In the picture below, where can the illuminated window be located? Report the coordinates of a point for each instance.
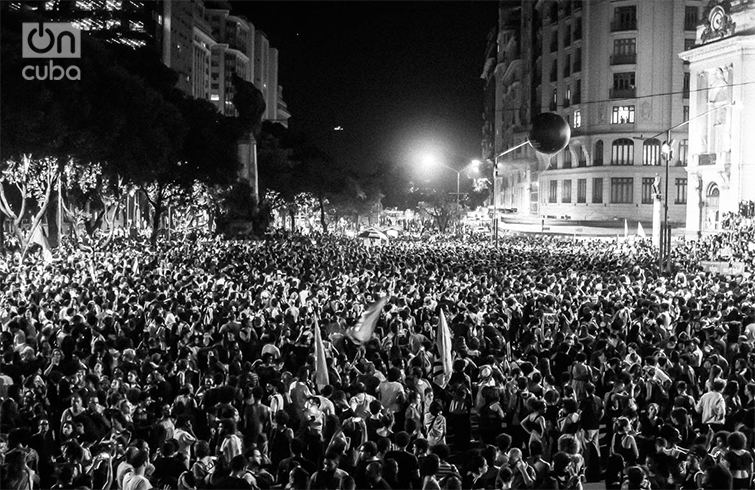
(623, 114)
(553, 191)
(622, 152)
(577, 119)
(651, 152)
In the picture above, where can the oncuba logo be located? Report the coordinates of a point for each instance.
(50, 40)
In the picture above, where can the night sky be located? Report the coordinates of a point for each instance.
(401, 78)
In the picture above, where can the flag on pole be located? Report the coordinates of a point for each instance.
(40, 239)
(641, 230)
(362, 331)
(91, 270)
(321, 367)
(626, 229)
(443, 341)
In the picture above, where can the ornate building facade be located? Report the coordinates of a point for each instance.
(722, 149)
(612, 70)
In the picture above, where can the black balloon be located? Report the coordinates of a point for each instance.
(550, 133)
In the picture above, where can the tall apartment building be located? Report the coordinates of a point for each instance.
(611, 69)
(722, 114)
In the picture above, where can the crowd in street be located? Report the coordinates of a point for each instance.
(192, 365)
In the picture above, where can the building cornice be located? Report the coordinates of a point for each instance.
(711, 50)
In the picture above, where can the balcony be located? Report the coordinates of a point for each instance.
(706, 159)
(622, 93)
(624, 59)
(624, 25)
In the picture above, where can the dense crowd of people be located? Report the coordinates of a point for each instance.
(193, 366)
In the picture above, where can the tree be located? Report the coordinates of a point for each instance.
(34, 180)
(441, 207)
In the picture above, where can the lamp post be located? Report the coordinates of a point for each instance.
(667, 152)
(473, 164)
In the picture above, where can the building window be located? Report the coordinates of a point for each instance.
(622, 152)
(577, 98)
(597, 190)
(689, 44)
(623, 85)
(622, 114)
(554, 71)
(567, 96)
(577, 119)
(567, 157)
(624, 51)
(553, 191)
(685, 113)
(581, 191)
(567, 36)
(647, 190)
(681, 190)
(567, 66)
(683, 151)
(577, 28)
(685, 85)
(597, 158)
(577, 66)
(621, 190)
(566, 191)
(624, 18)
(651, 152)
(690, 18)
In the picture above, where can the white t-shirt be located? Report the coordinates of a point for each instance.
(132, 481)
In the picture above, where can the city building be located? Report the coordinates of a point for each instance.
(722, 152)
(611, 69)
(202, 41)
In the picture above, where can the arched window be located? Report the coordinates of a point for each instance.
(597, 158)
(567, 157)
(622, 152)
(651, 152)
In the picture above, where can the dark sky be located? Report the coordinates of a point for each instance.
(401, 78)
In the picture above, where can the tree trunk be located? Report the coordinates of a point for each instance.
(292, 213)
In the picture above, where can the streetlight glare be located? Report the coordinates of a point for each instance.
(428, 159)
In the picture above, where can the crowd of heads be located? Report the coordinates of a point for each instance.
(192, 365)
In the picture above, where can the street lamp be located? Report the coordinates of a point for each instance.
(431, 160)
(668, 153)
